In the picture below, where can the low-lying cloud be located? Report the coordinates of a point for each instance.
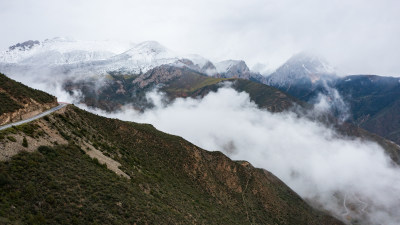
(350, 177)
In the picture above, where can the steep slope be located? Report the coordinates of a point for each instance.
(176, 82)
(203, 65)
(195, 85)
(148, 177)
(62, 56)
(233, 68)
(374, 103)
(139, 59)
(237, 69)
(61, 51)
(301, 74)
(19, 101)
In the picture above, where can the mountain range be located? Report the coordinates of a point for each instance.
(368, 101)
(108, 76)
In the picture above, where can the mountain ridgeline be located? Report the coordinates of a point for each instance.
(82, 65)
(19, 102)
(372, 101)
(164, 179)
(119, 90)
(181, 82)
(74, 167)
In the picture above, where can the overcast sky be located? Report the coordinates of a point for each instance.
(356, 36)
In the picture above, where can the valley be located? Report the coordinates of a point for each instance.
(290, 117)
(56, 177)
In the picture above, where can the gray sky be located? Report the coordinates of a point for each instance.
(356, 36)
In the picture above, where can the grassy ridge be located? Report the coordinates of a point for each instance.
(195, 85)
(172, 181)
(14, 94)
(8, 104)
(21, 92)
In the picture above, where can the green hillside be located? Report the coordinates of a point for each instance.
(14, 94)
(167, 180)
(195, 85)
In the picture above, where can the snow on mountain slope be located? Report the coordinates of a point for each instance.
(62, 55)
(301, 66)
(233, 68)
(61, 51)
(202, 64)
(224, 66)
(142, 57)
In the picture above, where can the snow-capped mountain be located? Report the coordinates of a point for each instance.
(301, 75)
(202, 64)
(61, 51)
(237, 69)
(233, 68)
(141, 58)
(65, 56)
(68, 56)
(302, 66)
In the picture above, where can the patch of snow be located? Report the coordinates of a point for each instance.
(224, 66)
(64, 50)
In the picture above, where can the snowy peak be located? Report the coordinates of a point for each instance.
(202, 64)
(149, 50)
(233, 68)
(80, 58)
(309, 63)
(61, 50)
(141, 58)
(304, 67)
(150, 47)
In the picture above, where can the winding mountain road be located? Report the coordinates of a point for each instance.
(61, 105)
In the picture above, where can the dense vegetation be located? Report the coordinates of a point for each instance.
(14, 94)
(8, 104)
(374, 103)
(22, 92)
(172, 181)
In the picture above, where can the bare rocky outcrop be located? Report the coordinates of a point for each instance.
(158, 75)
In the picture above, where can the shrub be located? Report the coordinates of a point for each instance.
(47, 151)
(25, 142)
(11, 138)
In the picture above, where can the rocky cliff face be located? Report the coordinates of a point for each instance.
(158, 75)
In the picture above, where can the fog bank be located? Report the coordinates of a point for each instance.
(355, 179)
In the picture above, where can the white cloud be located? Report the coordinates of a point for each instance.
(350, 177)
(359, 36)
(339, 173)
